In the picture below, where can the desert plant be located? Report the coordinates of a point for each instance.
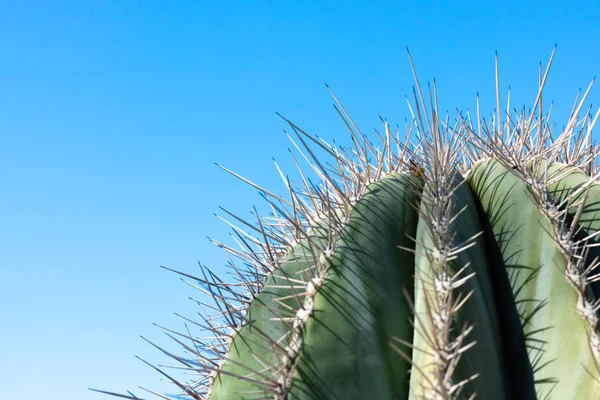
(456, 262)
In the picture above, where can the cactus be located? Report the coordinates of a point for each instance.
(458, 262)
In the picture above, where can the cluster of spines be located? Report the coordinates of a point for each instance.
(440, 151)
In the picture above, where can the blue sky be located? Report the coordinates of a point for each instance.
(113, 112)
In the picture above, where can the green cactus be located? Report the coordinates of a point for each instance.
(459, 262)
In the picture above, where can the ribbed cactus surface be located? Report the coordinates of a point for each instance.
(458, 262)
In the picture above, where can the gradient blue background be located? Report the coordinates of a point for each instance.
(113, 112)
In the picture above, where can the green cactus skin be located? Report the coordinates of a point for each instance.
(345, 342)
(362, 293)
(545, 299)
(462, 264)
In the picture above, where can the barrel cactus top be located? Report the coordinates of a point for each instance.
(459, 261)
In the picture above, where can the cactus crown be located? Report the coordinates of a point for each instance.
(288, 266)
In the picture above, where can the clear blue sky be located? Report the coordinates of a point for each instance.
(113, 112)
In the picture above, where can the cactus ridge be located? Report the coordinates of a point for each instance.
(409, 270)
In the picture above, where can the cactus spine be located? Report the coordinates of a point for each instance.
(458, 262)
